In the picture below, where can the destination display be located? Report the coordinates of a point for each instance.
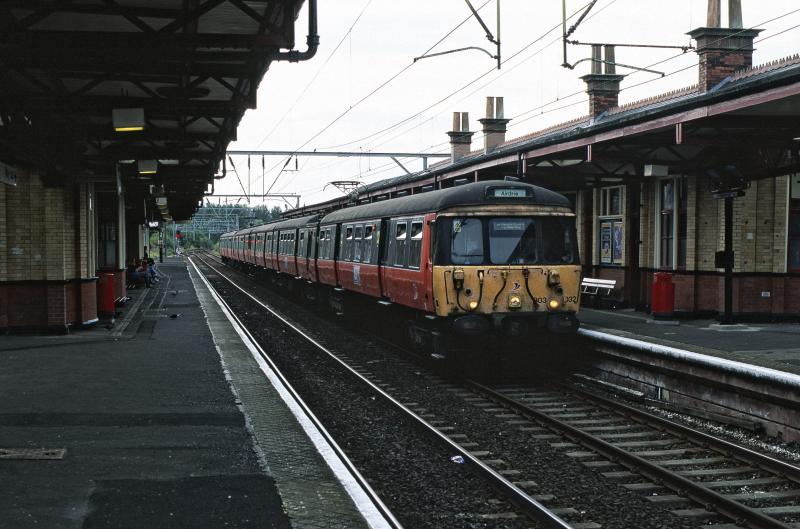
(509, 192)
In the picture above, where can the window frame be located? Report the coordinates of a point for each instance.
(415, 243)
(678, 220)
(401, 246)
(792, 210)
(611, 227)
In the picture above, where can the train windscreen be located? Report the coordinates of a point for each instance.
(510, 241)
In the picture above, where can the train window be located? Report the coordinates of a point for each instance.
(348, 244)
(466, 241)
(366, 252)
(359, 234)
(558, 234)
(513, 241)
(415, 244)
(400, 243)
(329, 245)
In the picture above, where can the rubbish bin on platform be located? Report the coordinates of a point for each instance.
(105, 295)
(663, 299)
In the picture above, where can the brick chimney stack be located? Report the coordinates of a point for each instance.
(722, 51)
(494, 124)
(460, 136)
(603, 88)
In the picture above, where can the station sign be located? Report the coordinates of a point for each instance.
(8, 175)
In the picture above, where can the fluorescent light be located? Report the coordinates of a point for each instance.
(148, 166)
(128, 119)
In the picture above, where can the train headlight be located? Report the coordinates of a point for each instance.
(473, 305)
(514, 301)
(553, 304)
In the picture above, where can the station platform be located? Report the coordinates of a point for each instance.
(162, 419)
(774, 345)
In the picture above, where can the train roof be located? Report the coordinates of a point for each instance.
(275, 225)
(474, 194)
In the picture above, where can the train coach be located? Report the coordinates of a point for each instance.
(486, 259)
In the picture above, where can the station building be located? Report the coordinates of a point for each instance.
(651, 181)
(114, 117)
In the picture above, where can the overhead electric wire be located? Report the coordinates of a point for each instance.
(505, 72)
(388, 166)
(467, 85)
(513, 56)
(373, 92)
(316, 75)
(579, 92)
(561, 98)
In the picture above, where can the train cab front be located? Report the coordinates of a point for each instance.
(508, 274)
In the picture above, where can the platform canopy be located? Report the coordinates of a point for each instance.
(176, 74)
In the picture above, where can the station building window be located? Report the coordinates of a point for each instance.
(612, 232)
(793, 242)
(672, 222)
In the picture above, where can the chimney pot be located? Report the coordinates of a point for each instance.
(722, 51)
(460, 136)
(597, 63)
(494, 124)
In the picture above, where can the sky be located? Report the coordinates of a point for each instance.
(331, 102)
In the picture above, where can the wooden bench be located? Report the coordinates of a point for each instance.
(597, 289)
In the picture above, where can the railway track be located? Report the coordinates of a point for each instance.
(671, 463)
(699, 479)
(526, 505)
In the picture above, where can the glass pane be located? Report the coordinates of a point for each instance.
(416, 230)
(616, 201)
(512, 241)
(466, 241)
(794, 255)
(794, 223)
(557, 237)
(400, 232)
(667, 195)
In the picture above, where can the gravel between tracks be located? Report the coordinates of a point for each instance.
(421, 486)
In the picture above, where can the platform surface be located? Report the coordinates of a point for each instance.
(773, 345)
(135, 425)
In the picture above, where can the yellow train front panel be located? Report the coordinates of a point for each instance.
(523, 290)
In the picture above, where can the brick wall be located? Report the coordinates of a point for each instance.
(46, 240)
(759, 242)
(716, 65)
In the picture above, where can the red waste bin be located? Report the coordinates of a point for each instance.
(105, 295)
(663, 302)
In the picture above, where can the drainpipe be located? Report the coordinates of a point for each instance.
(312, 39)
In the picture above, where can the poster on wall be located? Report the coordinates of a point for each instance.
(605, 243)
(8, 175)
(617, 237)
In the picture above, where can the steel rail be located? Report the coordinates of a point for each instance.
(750, 457)
(362, 482)
(711, 500)
(517, 496)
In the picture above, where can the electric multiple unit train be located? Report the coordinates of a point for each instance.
(492, 258)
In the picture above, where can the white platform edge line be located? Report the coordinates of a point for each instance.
(732, 366)
(362, 501)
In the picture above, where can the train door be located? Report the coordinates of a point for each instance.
(405, 273)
